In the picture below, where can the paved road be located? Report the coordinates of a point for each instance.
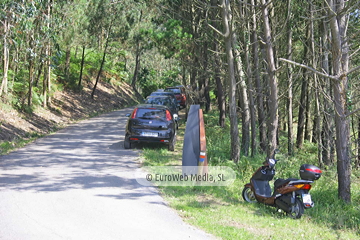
(79, 184)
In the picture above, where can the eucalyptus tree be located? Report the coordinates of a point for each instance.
(247, 41)
(72, 22)
(340, 63)
(178, 36)
(257, 78)
(6, 17)
(273, 86)
(289, 76)
(217, 63)
(107, 26)
(102, 17)
(33, 39)
(228, 37)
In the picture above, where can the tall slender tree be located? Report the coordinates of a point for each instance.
(228, 35)
(340, 63)
(273, 87)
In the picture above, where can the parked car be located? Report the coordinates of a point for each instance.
(170, 94)
(150, 123)
(166, 101)
(180, 95)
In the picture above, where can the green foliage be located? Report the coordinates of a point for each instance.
(218, 148)
(147, 81)
(170, 78)
(172, 38)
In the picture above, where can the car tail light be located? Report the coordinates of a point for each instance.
(168, 115)
(134, 113)
(134, 139)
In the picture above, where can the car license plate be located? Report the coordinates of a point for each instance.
(149, 134)
(306, 198)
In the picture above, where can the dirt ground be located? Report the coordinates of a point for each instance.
(66, 107)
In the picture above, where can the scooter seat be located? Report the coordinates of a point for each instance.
(279, 182)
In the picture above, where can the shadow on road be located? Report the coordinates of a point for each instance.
(88, 156)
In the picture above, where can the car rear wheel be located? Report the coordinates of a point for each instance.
(171, 146)
(127, 143)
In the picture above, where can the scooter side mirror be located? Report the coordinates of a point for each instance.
(272, 161)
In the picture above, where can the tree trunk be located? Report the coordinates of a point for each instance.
(31, 68)
(206, 79)
(81, 67)
(48, 78)
(40, 69)
(217, 73)
(290, 90)
(102, 62)
(137, 58)
(317, 116)
(67, 62)
(4, 84)
(302, 106)
(259, 88)
(327, 126)
(244, 103)
(45, 80)
(251, 97)
(234, 130)
(243, 88)
(340, 61)
(137, 65)
(307, 131)
(273, 97)
(48, 62)
(219, 87)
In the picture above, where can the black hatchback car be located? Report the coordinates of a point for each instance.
(150, 123)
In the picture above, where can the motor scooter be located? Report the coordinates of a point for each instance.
(290, 195)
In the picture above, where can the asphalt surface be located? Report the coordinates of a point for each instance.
(80, 184)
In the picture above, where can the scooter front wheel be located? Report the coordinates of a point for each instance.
(248, 195)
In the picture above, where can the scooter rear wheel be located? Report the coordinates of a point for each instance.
(297, 210)
(248, 195)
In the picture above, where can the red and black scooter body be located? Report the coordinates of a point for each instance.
(291, 195)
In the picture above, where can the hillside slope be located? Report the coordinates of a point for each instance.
(66, 107)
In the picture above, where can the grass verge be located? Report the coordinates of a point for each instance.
(222, 212)
(8, 146)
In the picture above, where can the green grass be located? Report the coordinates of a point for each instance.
(222, 212)
(8, 146)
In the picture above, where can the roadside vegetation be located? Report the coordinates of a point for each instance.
(222, 212)
(8, 146)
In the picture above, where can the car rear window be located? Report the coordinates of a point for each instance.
(174, 90)
(159, 101)
(162, 94)
(150, 113)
